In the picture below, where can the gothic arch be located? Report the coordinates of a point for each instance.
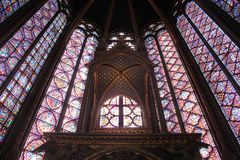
(117, 72)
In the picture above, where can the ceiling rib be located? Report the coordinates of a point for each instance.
(134, 20)
(108, 20)
(83, 11)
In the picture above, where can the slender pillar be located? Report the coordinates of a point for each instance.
(159, 105)
(222, 134)
(120, 111)
(85, 121)
(152, 108)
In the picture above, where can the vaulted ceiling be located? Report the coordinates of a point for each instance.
(99, 11)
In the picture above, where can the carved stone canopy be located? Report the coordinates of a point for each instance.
(95, 146)
(121, 72)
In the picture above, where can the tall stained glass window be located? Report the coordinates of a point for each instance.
(74, 103)
(8, 7)
(218, 58)
(232, 7)
(14, 95)
(120, 112)
(18, 45)
(60, 108)
(182, 111)
(24, 57)
(224, 47)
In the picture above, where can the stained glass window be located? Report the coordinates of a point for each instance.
(18, 45)
(12, 98)
(173, 85)
(8, 7)
(120, 112)
(232, 7)
(60, 98)
(225, 93)
(121, 37)
(224, 47)
(163, 88)
(74, 105)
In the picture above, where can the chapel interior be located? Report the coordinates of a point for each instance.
(119, 79)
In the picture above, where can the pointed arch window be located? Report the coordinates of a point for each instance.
(18, 84)
(180, 106)
(218, 58)
(61, 105)
(232, 7)
(120, 112)
(8, 7)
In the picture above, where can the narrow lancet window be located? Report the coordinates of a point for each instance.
(180, 105)
(217, 56)
(60, 108)
(16, 91)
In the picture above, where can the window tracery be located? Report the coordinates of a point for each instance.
(60, 108)
(17, 46)
(216, 55)
(223, 46)
(180, 105)
(120, 112)
(16, 91)
(74, 105)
